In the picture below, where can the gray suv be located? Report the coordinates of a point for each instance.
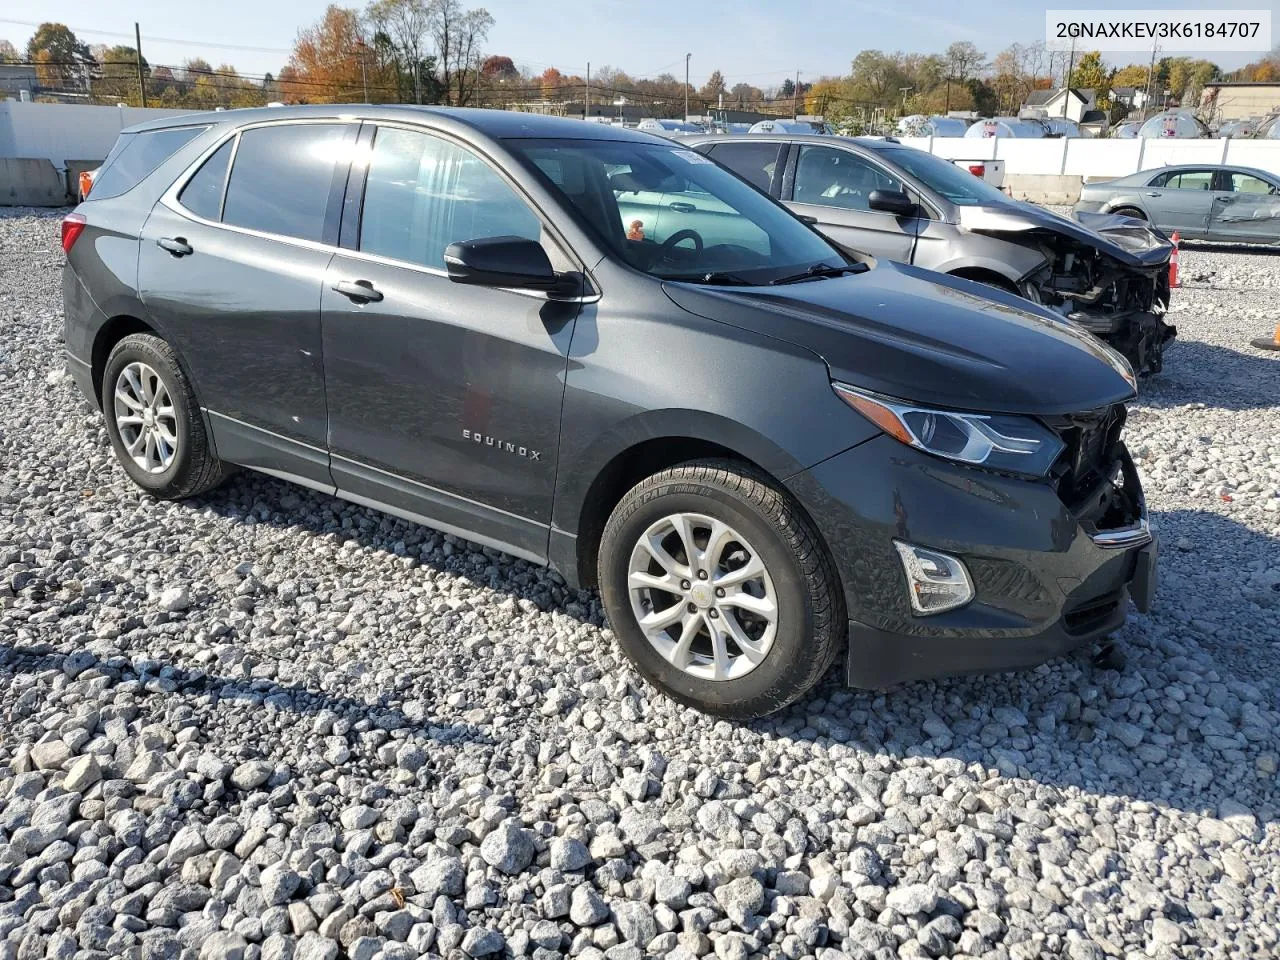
(878, 197)
(763, 454)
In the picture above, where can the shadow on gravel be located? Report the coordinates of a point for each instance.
(1218, 377)
(161, 678)
(1082, 725)
(1270, 250)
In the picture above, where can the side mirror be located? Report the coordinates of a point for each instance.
(891, 201)
(500, 262)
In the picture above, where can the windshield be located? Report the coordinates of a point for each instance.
(944, 178)
(675, 214)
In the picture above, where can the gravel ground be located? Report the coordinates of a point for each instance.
(270, 724)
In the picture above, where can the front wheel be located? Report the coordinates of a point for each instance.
(154, 420)
(720, 590)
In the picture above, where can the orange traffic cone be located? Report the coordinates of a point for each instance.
(1173, 261)
(1268, 343)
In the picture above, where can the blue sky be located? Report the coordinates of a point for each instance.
(757, 41)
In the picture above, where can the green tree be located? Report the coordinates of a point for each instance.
(117, 76)
(60, 55)
(1091, 73)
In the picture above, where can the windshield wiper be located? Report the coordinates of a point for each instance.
(822, 270)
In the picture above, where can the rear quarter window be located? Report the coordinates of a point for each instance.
(135, 155)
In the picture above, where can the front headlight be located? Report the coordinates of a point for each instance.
(996, 441)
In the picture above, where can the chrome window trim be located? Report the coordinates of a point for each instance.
(170, 200)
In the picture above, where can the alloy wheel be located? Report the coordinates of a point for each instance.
(145, 417)
(703, 596)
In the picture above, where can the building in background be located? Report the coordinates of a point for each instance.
(17, 78)
(1222, 102)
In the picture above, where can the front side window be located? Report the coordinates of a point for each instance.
(423, 193)
(281, 178)
(135, 155)
(673, 213)
(1246, 183)
(754, 162)
(839, 178)
(943, 177)
(203, 193)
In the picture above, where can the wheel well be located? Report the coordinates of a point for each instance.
(112, 332)
(1128, 210)
(621, 474)
(989, 277)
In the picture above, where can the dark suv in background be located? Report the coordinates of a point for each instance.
(761, 452)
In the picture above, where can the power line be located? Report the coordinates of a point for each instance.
(129, 36)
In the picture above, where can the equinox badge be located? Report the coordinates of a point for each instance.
(506, 446)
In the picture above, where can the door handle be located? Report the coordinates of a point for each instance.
(1154, 193)
(177, 246)
(681, 207)
(805, 218)
(359, 291)
(1225, 199)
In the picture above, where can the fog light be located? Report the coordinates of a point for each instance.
(937, 582)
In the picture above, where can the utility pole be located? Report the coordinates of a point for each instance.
(686, 85)
(142, 83)
(795, 98)
(1151, 71)
(364, 75)
(1071, 66)
(586, 107)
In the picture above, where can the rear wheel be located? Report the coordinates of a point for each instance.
(154, 420)
(720, 590)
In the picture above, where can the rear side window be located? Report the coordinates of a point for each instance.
(281, 178)
(135, 155)
(754, 162)
(203, 193)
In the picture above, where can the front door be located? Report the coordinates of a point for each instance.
(444, 398)
(1245, 208)
(232, 272)
(833, 185)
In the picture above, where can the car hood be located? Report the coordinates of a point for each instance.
(929, 338)
(1129, 241)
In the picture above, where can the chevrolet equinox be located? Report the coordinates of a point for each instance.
(764, 453)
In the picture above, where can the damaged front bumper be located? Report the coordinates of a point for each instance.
(1109, 274)
(1140, 336)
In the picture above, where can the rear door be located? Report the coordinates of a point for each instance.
(1181, 200)
(832, 185)
(1245, 208)
(232, 267)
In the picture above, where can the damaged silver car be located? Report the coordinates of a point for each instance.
(880, 198)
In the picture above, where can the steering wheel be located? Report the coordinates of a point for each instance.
(679, 236)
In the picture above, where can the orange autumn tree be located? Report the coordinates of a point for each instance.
(333, 62)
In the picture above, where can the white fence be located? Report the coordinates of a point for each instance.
(67, 131)
(1103, 158)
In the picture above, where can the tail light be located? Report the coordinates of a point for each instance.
(73, 225)
(978, 169)
(86, 183)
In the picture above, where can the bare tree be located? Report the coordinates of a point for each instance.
(407, 24)
(472, 29)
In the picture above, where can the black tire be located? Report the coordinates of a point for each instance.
(1129, 212)
(811, 621)
(194, 468)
